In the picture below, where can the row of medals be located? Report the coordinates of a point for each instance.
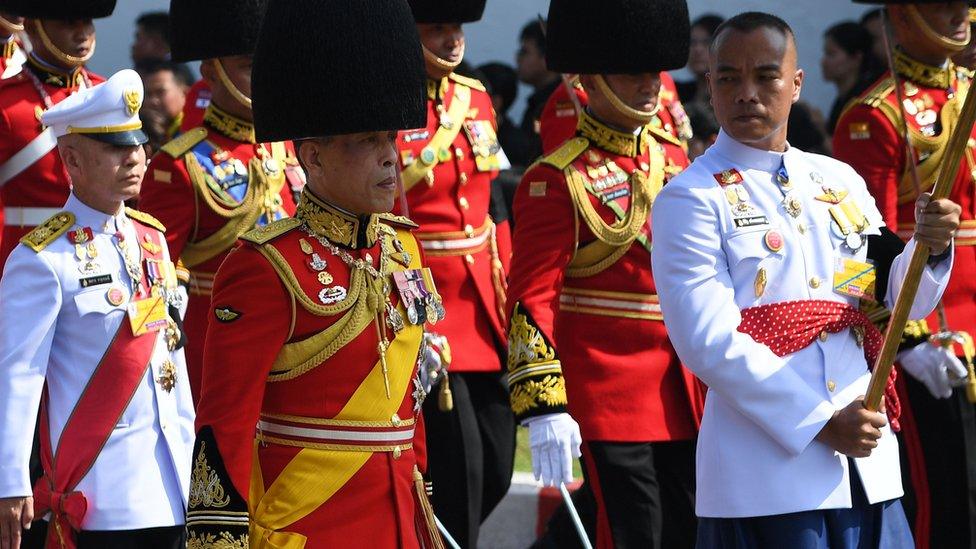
(921, 108)
(738, 198)
(426, 308)
(86, 253)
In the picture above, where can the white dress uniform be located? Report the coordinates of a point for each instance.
(56, 323)
(757, 453)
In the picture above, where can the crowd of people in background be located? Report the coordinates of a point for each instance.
(852, 60)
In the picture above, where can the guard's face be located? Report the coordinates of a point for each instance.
(637, 91)
(950, 19)
(108, 173)
(445, 40)
(75, 37)
(357, 171)
(754, 82)
(238, 69)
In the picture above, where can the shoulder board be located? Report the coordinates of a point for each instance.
(659, 135)
(469, 82)
(49, 231)
(876, 94)
(566, 153)
(262, 235)
(184, 142)
(145, 219)
(399, 221)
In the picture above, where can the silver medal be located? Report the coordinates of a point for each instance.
(854, 241)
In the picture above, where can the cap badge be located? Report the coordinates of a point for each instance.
(133, 100)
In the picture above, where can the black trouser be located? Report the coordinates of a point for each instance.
(947, 432)
(644, 494)
(470, 451)
(167, 537)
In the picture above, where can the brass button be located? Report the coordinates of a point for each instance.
(464, 179)
(395, 420)
(468, 231)
(831, 386)
(459, 152)
(823, 336)
(644, 166)
(464, 203)
(802, 228)
(397, 452)
(469, 258)
(815, 282)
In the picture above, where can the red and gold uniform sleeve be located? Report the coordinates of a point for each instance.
(866, 139)
(543, 245)
(167, 194)
(252, 317)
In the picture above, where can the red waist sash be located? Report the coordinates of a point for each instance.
(790, 326)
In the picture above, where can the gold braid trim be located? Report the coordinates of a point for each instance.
(357, 285)
(550, 391)
(206, 540)
(535, 374)
(262, 198)
(915, 330)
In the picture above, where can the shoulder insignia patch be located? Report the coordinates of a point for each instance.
(878, 93)
(226, 314)
(728, 177)
(399, 221)
(262, 235)
(469, 82)
(49, 231)
(538, 188)
(184, 142)
(566, 153)
(145, 219)
(660, 135)
(859, 131)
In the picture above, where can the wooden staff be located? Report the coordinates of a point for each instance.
(909, 287)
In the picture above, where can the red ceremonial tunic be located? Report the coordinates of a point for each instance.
(448, 188)
(192, 187)
(316, 371)
(671, 125)
(869, 138)
(44, 184)
(584, 302)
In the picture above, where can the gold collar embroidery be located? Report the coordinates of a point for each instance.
(228, 125)
(53, 77)
(437, 88)
(607, 138)
(339, 226)
(921, 73)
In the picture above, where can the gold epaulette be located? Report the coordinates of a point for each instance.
(878, 93)
(145, 219)
(184, 142)
(469, 82)
(398, 221)
(262, 235)
(661, 135)
(49, 231)
(566, 153)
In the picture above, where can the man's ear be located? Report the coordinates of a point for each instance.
(797, 84)
(208, 72)
(310, 157)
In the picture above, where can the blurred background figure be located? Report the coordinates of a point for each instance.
(152, 37)
(502, 83)
(166, 84)
(871, 22)
(696, 90)
(848, 63)
(705, 127)
(532, 70)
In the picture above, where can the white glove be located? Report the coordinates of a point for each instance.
(555, 441)
(934, 366)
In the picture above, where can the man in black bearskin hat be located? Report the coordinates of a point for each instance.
(310, 337)
(214, 182)
(585, 321)
(33, 182)
(448, 166)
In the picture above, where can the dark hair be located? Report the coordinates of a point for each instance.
(156, 22)
(502, 80)
(709, 22)
(533, 31)
(753, 20)
(850, 37)
(870, 15)
(181, 72)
